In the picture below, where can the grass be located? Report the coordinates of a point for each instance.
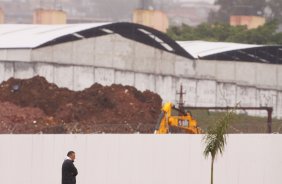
(241, 123)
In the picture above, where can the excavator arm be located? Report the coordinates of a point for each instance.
(162, 126)
(184, 121)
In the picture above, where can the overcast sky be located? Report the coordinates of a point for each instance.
(208, 1)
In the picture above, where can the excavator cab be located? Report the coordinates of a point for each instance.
(171, 117)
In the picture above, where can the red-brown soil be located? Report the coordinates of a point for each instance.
(36, 106)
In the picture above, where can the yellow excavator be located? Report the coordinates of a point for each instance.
(182, 120)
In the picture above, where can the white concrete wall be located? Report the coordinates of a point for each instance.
(206, 93)
(268, 98)
(145, 82)
(139, 159)
(83, 77)
(123, 53)
(166, 88)
(23, 70)
(124, 78)
(198, 92)
(226, 94)
(104, 76)
(182, 68)
(279, 106)
(9, 71)
(64, 76)
(189, 89)
(2, 71)
(17, 55)
(45, 70)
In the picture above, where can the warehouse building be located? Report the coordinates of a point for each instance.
(77, 55)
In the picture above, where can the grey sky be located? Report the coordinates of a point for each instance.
(207, 1)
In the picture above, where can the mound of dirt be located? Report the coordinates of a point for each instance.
(37, 106)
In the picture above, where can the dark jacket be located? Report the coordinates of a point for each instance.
(69, 172)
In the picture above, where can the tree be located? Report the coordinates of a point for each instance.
(205, 31)
(237, 7)
(262, 35)
(275, 7)
(265, 34)
(215, 139)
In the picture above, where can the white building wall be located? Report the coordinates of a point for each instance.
(123, 53)
(9, 70)
(206, 93)
(189, 89)
(139, 159)
(3, 54)
(266, 76)
(64, 76)
(45, 70)
(104, 76)
(279, 76)
(166, 88)
(184, 68)
(18, 55)
(247, 97)
(124, 78)
(2, 71)
(205, 69)
(83, 77)
(279, 106)
(164, 63)
(23, 70)
(83, 52)
(225, 71)
(245, 73)
(104, 47)
(145, 82)
(226, 94)
(63, 53)
(43, 54)
(115, 59)
(267, 98)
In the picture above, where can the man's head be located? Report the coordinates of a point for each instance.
(71, 154)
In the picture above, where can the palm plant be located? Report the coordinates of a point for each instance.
(215, 139)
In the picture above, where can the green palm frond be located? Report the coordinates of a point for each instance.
(215, 139)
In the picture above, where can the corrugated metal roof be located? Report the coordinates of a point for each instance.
(20, 36)
(226, 51)
(199, 49)
(31, 36)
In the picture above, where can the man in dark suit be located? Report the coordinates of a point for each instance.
(69, 171)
